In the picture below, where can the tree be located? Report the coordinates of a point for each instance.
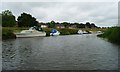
(88, 25)
(0, 19)
(7, 12)
(51, 24)
(66, 24)
(81, 25)
(93, 25)
(8, 19)
(26, 20)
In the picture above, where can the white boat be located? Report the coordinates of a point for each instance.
(99, 31)
(85, 32)
(91, 31)
(80, 32)
(54, 32)
(32, 32)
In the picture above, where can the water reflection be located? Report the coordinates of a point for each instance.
(73, 52)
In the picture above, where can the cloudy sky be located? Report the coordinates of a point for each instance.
(101, 13)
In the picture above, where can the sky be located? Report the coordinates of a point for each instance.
(103, 14)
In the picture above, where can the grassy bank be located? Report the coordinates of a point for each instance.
(7, 32)
(112, 34)
(63, 31)
(67, 31)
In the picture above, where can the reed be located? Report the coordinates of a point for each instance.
(112, 34)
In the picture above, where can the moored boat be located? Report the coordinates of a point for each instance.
(83, 32)
(80, 32)
(55, 32)
(32, 32)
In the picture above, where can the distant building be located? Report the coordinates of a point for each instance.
(60, 26)
(71, 26)
(43, 25)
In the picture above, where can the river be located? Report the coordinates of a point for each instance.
(70, 52)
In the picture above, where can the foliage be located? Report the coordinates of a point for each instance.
(81, 25)
(51, 24)
(54, 24)
(26, 20)
(48, 31)
(63, 31)
(8, 19)
(112, 34)
(7, 12)
(88, 25)
(93, 25)
(7, 34)
(66, 31)
(66, 24)
(0, 19)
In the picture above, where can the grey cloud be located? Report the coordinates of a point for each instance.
(101, 13)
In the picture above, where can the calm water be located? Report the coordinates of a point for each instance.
(72, 52)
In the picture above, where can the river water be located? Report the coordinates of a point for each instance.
(70, 52)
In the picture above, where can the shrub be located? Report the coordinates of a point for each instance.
(112, 34)
(7, 34)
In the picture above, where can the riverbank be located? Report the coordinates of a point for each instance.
(112, 34)
(7, 32)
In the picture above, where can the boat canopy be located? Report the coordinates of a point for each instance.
(54, 31)
(36, 28)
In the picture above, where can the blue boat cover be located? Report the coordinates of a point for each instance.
(54, 31)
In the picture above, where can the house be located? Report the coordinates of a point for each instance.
(60, 26)
(71, 26)
(43, 25)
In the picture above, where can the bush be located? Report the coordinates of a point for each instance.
(63, 31)
(66, 31)
(48, 31)
(112, 34)
(8, 34)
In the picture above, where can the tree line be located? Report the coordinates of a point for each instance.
(27, 20)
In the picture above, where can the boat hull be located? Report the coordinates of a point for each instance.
(55, 34)
(20, 35)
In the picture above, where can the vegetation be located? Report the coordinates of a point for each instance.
(8, 19)
(26, 20)
(66, 24)
(112, 34)
(67, 31)
(63, 31)
(51, 24)
(7, 34)
(54, 24)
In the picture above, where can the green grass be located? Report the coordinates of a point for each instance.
(47, 30)
(63, 31)
(112, 34)
(8, 32)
